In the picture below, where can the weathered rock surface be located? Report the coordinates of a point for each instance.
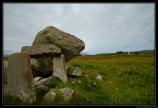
(49, 97)
(73, 71)
(50, 81)
(36, 80)
(40, 50)
(34, 62)
(67, 93)
(59, 68)
(70, 45)
(19, 77)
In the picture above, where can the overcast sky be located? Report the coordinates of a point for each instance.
(103, 27)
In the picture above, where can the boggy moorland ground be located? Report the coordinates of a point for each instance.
(127, 79)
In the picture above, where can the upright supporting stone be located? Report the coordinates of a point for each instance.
(59, 68)
(19, 77)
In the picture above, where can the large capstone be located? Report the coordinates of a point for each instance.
(59, 68)
(19, 77)
(70, 45)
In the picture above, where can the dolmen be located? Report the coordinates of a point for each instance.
(42, 63)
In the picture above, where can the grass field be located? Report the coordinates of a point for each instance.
(127, 79)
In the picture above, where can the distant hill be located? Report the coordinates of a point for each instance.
(130, 52)
(105, 53)
(146, 51)
(84, 54)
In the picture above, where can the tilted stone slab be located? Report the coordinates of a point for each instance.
(50, 81)
(59, 68)
(19, 77)
(70, 45)
(35, 51)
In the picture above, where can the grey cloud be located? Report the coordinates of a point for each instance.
(103, 27)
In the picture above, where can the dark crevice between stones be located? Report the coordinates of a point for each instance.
(44, 55)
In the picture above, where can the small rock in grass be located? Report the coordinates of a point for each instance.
(43, 88)
(49, 97)
(99, 77)
(73, 71)
(67, 93)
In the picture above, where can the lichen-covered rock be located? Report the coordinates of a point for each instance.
(67, 93)
(49, 97)
(70, 45)
(59, 68)
(19, 77)
(40, 50)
